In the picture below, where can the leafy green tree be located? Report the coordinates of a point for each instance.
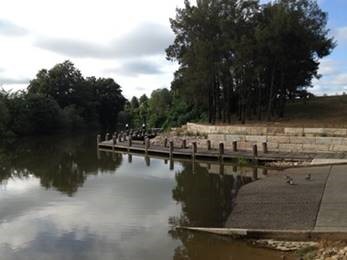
(245, 59)
(134, 103)
(4, 114)
(159, 106)
(110, 102)
(33, 114)
(143, 113)
(63, 82)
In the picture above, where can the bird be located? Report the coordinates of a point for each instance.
(289, 180)
(308, 177)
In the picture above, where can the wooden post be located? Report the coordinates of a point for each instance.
(255, 173)
(171, 165)
(124, 137)
(147, 144)
(265, 150)
(255, 150)
(194, 149)
(130, 141)
(171, 149)
(148, 161)
(221, 150)
(208, 145)
(114, 142)
(107, 137)
(98, 140)
(184, 144)
(264, 171)
(165, 142)
(221, 168)
(234, 146)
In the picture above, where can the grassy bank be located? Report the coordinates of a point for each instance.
(330, 111)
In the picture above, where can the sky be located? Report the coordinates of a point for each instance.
(124, 40)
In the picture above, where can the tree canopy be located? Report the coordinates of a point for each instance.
(245, 59)
(61, 98)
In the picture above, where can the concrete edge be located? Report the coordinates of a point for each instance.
(290, 235)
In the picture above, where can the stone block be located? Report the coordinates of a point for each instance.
(257, 131)
(272, 146)
(275, 131)
(316, 147)
(256, 138)
(294, 131)
(314, 131)
(339, 148)
(337, 132)
(244, 146)
(329, 140)
(278, 139)
(216, 137)
(231, 138)
(290, 147)
(302, 140)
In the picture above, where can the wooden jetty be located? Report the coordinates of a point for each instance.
(123, 143)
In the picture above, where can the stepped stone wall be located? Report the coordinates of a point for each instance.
(288, 139)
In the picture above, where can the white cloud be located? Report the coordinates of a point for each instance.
(328, 67)
(340, 80)
(145, 40)
(95, 35)
(104, 214)
(341, 35)
(10, 29)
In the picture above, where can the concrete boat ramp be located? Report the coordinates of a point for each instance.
(309, 209)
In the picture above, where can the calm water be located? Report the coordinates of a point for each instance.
(59, 201)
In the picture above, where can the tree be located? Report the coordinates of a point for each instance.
(33, 114)
(159, 106)
(4, 114)
(245, 59)
(63, 82)
(134, 103)
(110, 102)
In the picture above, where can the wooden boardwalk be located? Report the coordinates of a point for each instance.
(202, 153)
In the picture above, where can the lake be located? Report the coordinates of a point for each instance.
(58, 200)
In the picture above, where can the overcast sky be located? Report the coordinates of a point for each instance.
(125, 40)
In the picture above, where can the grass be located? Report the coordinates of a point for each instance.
(307, 253)
(319, 112)
(330, 111)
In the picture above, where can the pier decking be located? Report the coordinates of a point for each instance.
(203, 153)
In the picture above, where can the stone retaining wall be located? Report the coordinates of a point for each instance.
(277, 138)
(258, 130)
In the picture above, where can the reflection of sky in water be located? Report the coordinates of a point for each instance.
(115, 215)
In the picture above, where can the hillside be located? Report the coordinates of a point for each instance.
(330, 111)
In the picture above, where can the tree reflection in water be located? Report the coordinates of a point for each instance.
(59, 162)
(206, 198)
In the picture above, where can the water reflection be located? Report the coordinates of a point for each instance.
(199, 246)
(206, 192)
(60, 163)
(59, 201)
